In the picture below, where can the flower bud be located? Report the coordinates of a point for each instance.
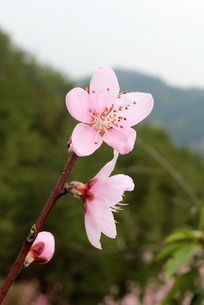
(42, 249)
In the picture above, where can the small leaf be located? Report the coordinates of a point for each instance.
(180, 285)
(184, 234)
(181, 256)
(198, 297)
(168, 251)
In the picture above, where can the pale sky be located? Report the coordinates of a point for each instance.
(158, 37)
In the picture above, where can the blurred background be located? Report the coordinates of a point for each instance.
(47, 48)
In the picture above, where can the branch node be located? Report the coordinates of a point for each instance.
(31, 236)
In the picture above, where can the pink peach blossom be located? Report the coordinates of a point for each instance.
(106, 115)
(101, 196)
(42, 249)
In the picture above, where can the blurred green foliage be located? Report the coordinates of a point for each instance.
(34, 129)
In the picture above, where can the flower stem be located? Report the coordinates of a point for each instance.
(55, 194)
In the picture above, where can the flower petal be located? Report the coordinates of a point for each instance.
(106, 223)
(48, 239)
(101, 101)
(92, 230)
(134, 107)
(104, 88)
(111, 190)
(106, 171)
(102, 216)
(78, 104)
(121, 140)
(85, 140)
(104, 80)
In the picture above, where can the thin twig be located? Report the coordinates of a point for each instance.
(56, 193)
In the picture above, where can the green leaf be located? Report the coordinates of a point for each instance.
(168, 250)
(181, 284)
(198, 297)
(181, 256)
(184, 234)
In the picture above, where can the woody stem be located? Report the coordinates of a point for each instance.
(54, 196)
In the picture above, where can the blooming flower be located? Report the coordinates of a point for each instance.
(101, 196)
(106, 115)
(42, 249)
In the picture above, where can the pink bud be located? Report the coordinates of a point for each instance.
(42, 249)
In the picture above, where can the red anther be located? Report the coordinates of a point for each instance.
(116, 125)
(108, 89)
(118, 96)
(121, 126)
(87, 88)
(114, 110)
(125, 119)
(95, 142)
(106, 108)
(124, 92)
(93, 91)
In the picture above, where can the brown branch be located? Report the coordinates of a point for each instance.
(56, 193)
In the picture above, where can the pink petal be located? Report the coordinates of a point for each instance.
(106, 223)
(104, 79)
(48, 239)
(100, 101)
(78, 104)
(92, 230)
(136, 106)
(104, 88)
(121, 140)
(111, 190)
(106, 171)
(85, 140)
(102, 216)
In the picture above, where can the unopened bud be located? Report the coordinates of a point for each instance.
(42, 249)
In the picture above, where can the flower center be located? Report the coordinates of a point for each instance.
(108, 119)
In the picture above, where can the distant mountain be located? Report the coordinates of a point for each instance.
(180, 111)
